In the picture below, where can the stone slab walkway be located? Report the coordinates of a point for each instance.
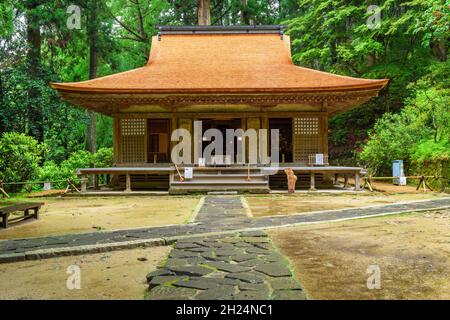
(241, 266)
(219, 214)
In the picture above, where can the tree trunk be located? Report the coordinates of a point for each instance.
(245, 16)
(204, 13)
(35, 117)
(439, 49)
(91, 135)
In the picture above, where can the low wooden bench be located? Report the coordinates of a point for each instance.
(25, 207)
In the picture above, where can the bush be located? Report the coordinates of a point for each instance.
(391, 139)
(419, 135)
(103, 158)
(79, 159)
(432, 159)
(20, 156)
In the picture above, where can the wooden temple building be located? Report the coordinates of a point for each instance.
(229, 78)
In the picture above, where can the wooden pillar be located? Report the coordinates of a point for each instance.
(83, 183)
(187, 123)
(336, 179)
(357, 182)
(36, 213)
(5, 220)
(265, 125)
(116, 140)
(128, 183)
(173, 126)
(324, 130)
(313, 181)
(252, 123)
(345, 180)
(96, 183)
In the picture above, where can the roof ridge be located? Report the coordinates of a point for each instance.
(237, 29)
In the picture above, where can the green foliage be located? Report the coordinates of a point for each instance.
(333, 35)
(419, 134)
(78, 159)
(20, 156)
(428, 151)
(390, 140)
(103, 158)
(51, 171)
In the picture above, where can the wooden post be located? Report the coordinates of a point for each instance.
(426, 184)
(368, 183)
(128, 183)
(83, 183)
(5, 220)
(4, 193)
(357, 182)
(345, 180)
(313, 182)
(336, 179)
(96, 184)
(36, 213)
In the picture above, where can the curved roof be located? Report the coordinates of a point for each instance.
(221, 63)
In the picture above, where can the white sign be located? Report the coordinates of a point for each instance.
(188, 173)
(319, 159)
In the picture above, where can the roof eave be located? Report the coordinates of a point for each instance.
(375, 85)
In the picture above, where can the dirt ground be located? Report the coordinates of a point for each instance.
(411, 250)
(113, 275)
(273, 205)
(78, 215)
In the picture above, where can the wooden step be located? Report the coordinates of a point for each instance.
(222, 182)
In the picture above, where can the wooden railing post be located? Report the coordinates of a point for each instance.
(357, 182)
(128, 183)
(345, 180)
(312, 187)
(84, 181)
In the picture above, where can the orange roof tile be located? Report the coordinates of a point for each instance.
(221, 63)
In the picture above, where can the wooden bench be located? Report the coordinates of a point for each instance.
(25, 207)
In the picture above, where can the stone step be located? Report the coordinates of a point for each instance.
(182, 189)
(221, 182)
(206, 179)
(225, 175)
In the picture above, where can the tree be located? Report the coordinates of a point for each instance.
(92, 32)
(35, 118)
(204, 13)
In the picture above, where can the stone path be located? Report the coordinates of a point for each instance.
(218, 214)
(241, 266)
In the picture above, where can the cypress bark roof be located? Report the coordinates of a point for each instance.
(221, 63)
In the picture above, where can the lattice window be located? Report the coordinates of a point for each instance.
(307, 139)
(133, 134)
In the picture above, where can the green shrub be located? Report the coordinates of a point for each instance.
(51, 171)
(77, 160)
(20, 156)
(103, 158)
(432, 159)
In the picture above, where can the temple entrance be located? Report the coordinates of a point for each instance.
(220, 156)
(158, 142)
(284, 125)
